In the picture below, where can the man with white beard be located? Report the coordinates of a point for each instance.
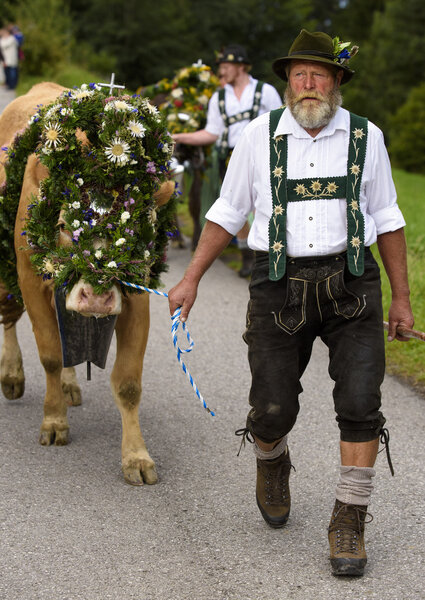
(319, 181)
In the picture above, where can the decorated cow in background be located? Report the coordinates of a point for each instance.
(184, 101)
(84, 204)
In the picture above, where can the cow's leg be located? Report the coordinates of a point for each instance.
(11, 370)
(38, 298)
(70, 386)
(54, 428)
(126, 380)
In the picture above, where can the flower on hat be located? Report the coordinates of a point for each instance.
(342, 52)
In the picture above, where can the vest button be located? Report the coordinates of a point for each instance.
(311, 164)
(310, 218)
(311, 245)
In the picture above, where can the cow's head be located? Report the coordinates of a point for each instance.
(82, 298)
(100, 216)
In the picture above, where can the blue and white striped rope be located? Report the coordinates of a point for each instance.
(175, 322)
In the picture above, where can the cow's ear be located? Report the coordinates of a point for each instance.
(164, 193)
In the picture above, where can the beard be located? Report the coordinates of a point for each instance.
(313, 115)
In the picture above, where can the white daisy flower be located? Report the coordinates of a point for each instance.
(125, 216)
(147, 254)
(93, 222)
(112, 264)
(152, 216)
(98, 254)
(177, 92)
(120, 242)
(75, 205)
(121, 105)
(80, 181)
(118, 151)
(151, 108)
(204, 76)
(75, 223)
(52, 133)
(136, 129)
(81, 94)
(203, 100)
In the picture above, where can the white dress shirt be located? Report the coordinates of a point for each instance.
(270, 100)
(314, 227)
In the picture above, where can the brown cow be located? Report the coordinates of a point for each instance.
(131, 328)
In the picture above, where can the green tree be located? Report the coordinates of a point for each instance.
(150, 41)
(46, 26)
(390, 63)
(407, 146)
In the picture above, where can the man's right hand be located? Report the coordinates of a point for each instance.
(182, 295)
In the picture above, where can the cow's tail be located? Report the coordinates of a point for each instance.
(10, 308)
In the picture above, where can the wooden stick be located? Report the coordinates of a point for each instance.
(406, 332)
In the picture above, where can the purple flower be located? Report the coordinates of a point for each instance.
(76, 234)
(132, 200)
(109, 226)
(86, 252)
(150, 167)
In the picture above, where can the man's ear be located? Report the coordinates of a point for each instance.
(339, 76)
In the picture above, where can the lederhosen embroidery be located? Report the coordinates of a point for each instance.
(246, 114)
(289, 190)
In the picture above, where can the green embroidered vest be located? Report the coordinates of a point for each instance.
(286, 190)
(246, 114)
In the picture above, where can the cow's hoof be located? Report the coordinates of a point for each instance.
(72, 394)
(54, 437)
(144, 472)
(13, 388)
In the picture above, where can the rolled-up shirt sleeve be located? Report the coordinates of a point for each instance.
(235, 202)
(214, 119)
(380, 190)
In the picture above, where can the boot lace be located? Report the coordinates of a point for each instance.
(276, 483)
(348, 524)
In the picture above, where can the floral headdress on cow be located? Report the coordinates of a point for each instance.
(185, 98)
(104, 188)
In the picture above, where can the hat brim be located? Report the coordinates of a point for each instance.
(233, 62)
(280, 64)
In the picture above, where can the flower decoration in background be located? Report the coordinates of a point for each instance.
(101, 182)
(184, 99)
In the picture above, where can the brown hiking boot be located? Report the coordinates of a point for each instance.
(346, 538)
(273, 496)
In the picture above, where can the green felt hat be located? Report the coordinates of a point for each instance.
(318, 47)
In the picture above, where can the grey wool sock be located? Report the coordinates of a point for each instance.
(355, 485)
(279, 449)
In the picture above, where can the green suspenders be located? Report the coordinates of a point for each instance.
(324, 188)
(246, 114)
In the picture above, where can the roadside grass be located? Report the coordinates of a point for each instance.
(407, 360)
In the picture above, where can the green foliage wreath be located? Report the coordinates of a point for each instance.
(104, 189)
